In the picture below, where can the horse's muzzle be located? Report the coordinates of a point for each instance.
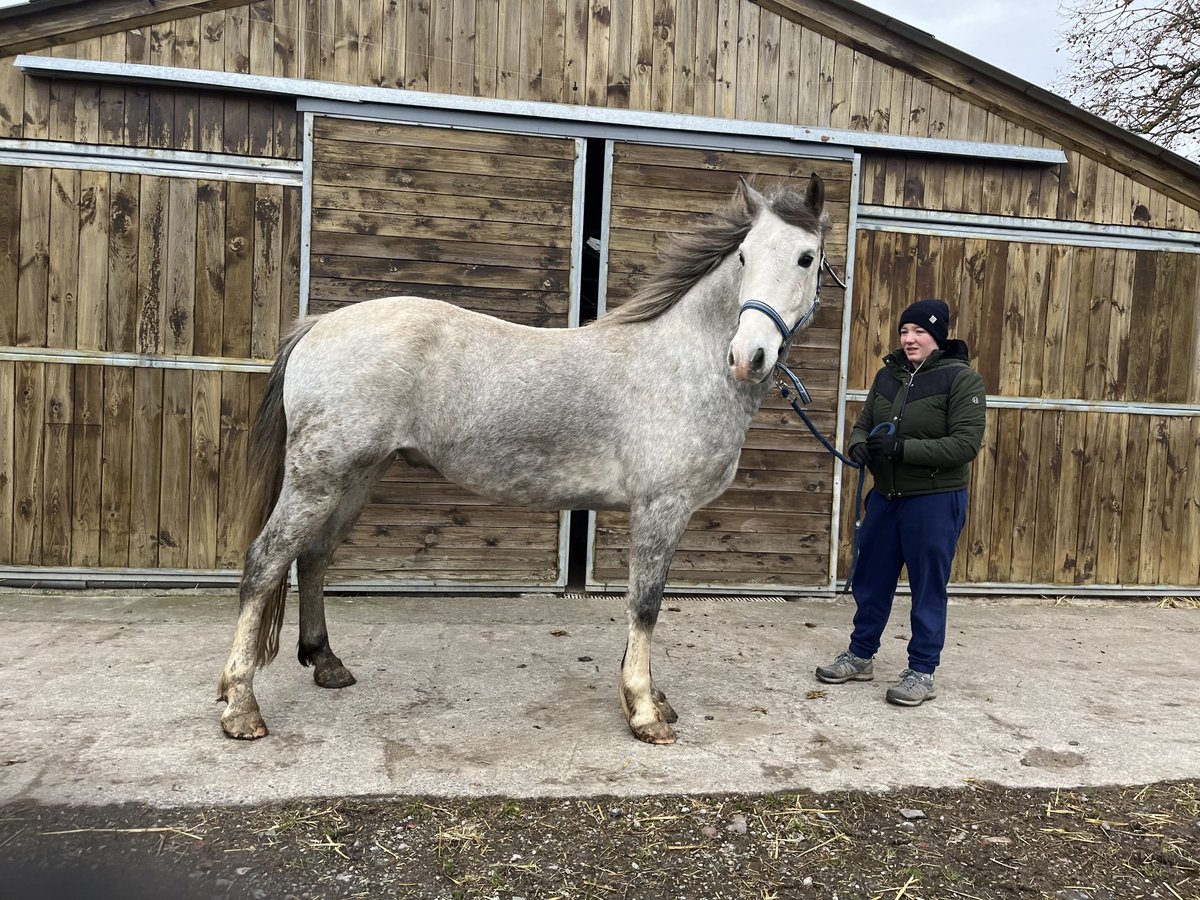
(750, 367)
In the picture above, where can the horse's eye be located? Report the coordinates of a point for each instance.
(806, 260)
(741, 257)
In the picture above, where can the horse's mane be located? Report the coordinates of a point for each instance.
(689, 257)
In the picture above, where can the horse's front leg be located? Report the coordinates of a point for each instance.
(654, 530)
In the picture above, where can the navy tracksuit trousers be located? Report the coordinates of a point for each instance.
(919, 532)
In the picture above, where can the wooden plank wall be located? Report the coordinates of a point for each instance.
(477, 219)
(771, 527)
(109, 466)
(1066, 496)
(731, 59)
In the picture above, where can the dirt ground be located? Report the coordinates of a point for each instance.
(978, 841)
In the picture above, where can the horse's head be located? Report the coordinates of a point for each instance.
(781, 258)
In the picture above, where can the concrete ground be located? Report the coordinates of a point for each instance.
(109, 697)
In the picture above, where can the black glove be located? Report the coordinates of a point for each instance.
(861, 454)
(886, 445)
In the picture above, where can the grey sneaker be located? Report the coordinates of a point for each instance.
(913, 690)
(847, 667)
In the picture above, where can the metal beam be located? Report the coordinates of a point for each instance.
(609, 120)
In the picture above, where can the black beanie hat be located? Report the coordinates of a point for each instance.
(932, 315)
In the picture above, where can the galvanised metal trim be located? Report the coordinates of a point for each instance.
(843, 363)
(1104, 406)
(578, 116)
(605, 230)
(150, 161)
(578, 192)
(1039, 231)
(50, 577)
(306, 215)
(132, 360)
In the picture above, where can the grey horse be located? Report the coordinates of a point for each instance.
(644, 410)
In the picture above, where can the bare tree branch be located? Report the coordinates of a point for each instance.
(1136, 63)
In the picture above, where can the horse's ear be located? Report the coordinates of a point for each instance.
(753, 199)
(815, 195)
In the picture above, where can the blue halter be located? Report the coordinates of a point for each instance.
(787, 333)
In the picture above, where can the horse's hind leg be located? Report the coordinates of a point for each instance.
(654, 532)
(286, 533)
(313, 648)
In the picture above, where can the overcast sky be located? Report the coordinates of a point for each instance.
(1018, 36)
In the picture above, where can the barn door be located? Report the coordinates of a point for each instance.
(483, 220)
(771, 529)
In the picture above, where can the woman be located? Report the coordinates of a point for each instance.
(935, 402)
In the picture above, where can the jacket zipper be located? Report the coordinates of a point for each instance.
(912, 376)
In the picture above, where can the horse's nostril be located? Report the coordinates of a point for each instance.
(759, 358)
(731, 357)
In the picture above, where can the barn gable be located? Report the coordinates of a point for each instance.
(177, 224)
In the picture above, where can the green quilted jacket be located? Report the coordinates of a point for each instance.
(939, 412)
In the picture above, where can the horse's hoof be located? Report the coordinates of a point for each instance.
(333, 676)
(245, 727)
(664, 708)
(654, 733)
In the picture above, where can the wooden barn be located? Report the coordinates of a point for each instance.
(180, 179)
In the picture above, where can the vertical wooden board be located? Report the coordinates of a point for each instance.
(866, 252)
(209, 290)
(685, 83)
(116, 467)
(205, 470)
(268, 251)
(1162, 310)
(416, 45)
(927, 266)
(768, 69)
(576, 59)
(1066, 532)
(508, 49)
(641, 60)
(789, 70)
(983, 497)
(91, 305)
(261, 37)
(1096, 377)
(1114, 470)
(1177, 476)
(87, 445)
(1090, 490)
(1054, 332)
(1133, 499)
(1010, 324)
(620, 53)
(894, 168)
(441, 46)
(232, 488)
(63, 261)
(1120, 312)
(728, 14)
(1049, 465)
(599, 36)
(239, 269)
(1035, 302)
(1189, 559)
(1182, 341)
(1004, 495)
(663, 53)
(1026, 487)
(87, 97)
(34, 275)
(37, 109)
(289, 276)
(991, 312)
(123, 239)
(288, 39)
(462, 50)
(10, 251)
(179, 298)
(809, 77)
(1153, 519)
(57, 467)
(1077, 322)
(12, 101)
(29, 403)
(8, 458)
(146, 472)
(552, 86)
(211, 108)
(152, 258)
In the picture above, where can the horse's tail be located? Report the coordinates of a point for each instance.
(265, 461)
